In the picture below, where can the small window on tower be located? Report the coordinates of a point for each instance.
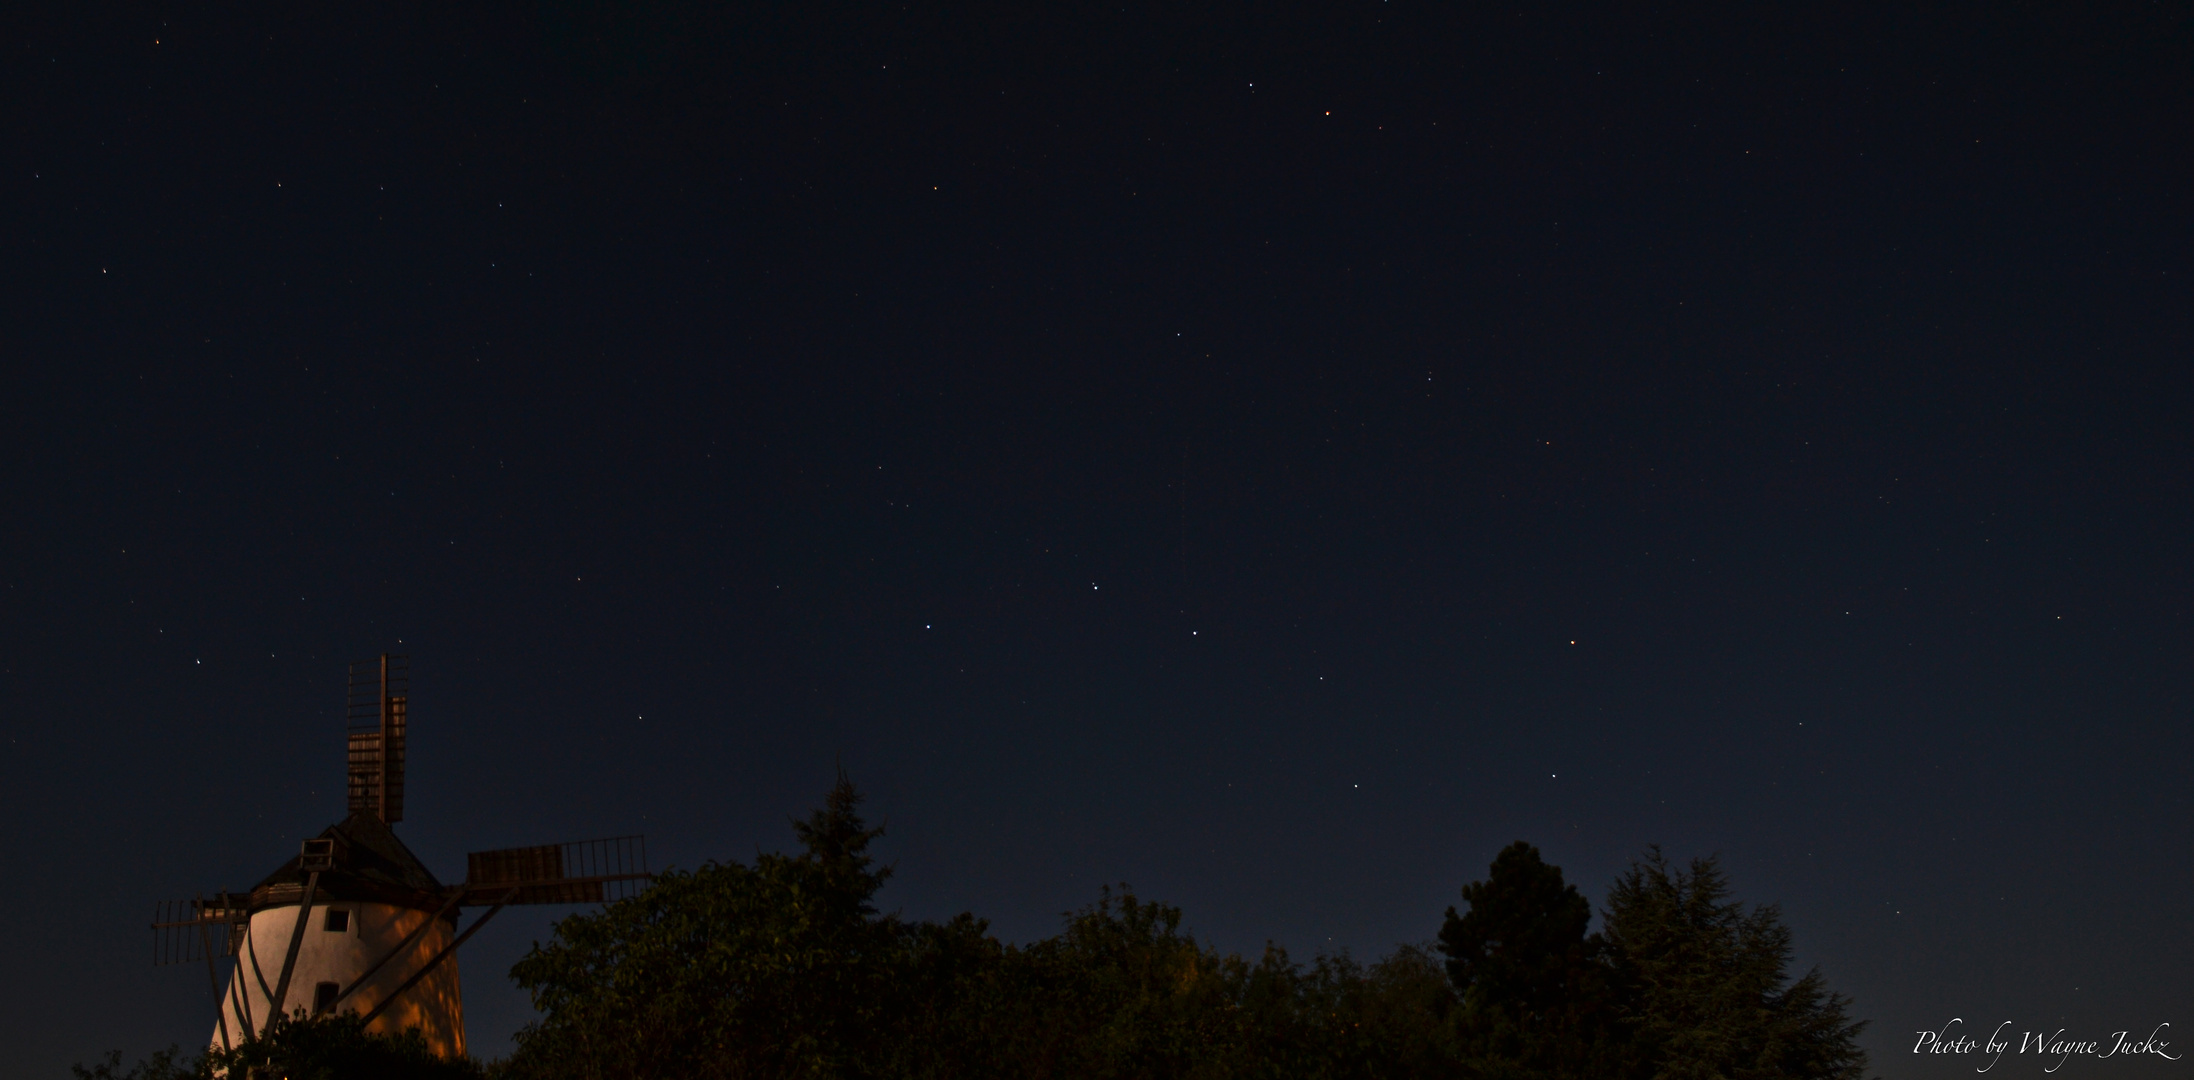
(323, 998)
(338, 921)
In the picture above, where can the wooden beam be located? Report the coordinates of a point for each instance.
(213, 974)
(401, 947)
(296, 940)
(384, 796)
(237, 986)
(238, 995)
(258, 974)
(430, 965)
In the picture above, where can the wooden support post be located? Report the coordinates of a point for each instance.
(213, 974)
(258, 974)
(237, 987)
(238, 994)
(296, 940)
(386, 753)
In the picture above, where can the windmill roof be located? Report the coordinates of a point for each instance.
(370, 864)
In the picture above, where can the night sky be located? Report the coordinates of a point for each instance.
(1274, 455)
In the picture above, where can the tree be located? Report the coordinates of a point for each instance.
(779, 969)
(168, 1064)
(1336, 1018)
(1536, 997)
(1709, 993)
(958, 1006)
(1121, 992)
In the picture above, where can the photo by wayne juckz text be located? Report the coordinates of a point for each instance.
(2045, 1044)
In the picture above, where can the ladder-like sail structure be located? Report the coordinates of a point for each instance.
(379, 690)
(586, 872)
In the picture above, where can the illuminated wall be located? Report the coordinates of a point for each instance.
(338, 957)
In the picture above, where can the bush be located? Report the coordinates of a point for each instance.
(297, 1048)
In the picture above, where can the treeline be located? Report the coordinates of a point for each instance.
(785, 968)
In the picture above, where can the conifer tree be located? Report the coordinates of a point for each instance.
(1536, 996)
(1708, 987)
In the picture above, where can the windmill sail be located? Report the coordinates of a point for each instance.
(586, 872)
(379, 693)
(192, 931)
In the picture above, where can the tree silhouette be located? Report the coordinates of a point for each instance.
(1708, 988)
(1537, 997)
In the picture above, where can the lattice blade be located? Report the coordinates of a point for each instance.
(378, 695)
(183, 931)
(585, 872)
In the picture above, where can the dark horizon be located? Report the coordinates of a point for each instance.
(1275, 457)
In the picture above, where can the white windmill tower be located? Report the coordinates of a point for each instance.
(355, 922)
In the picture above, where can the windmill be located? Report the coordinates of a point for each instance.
(354, 922)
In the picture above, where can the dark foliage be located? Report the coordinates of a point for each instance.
(168, 1064)
(336, 1048)
(1539, 998)
(1683, 984)
(319, 1048)
(785, 970)
(1710, 992)
(777, 969)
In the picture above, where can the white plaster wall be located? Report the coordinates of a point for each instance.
(434, 1005)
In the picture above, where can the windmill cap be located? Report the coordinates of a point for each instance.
(368, 863)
